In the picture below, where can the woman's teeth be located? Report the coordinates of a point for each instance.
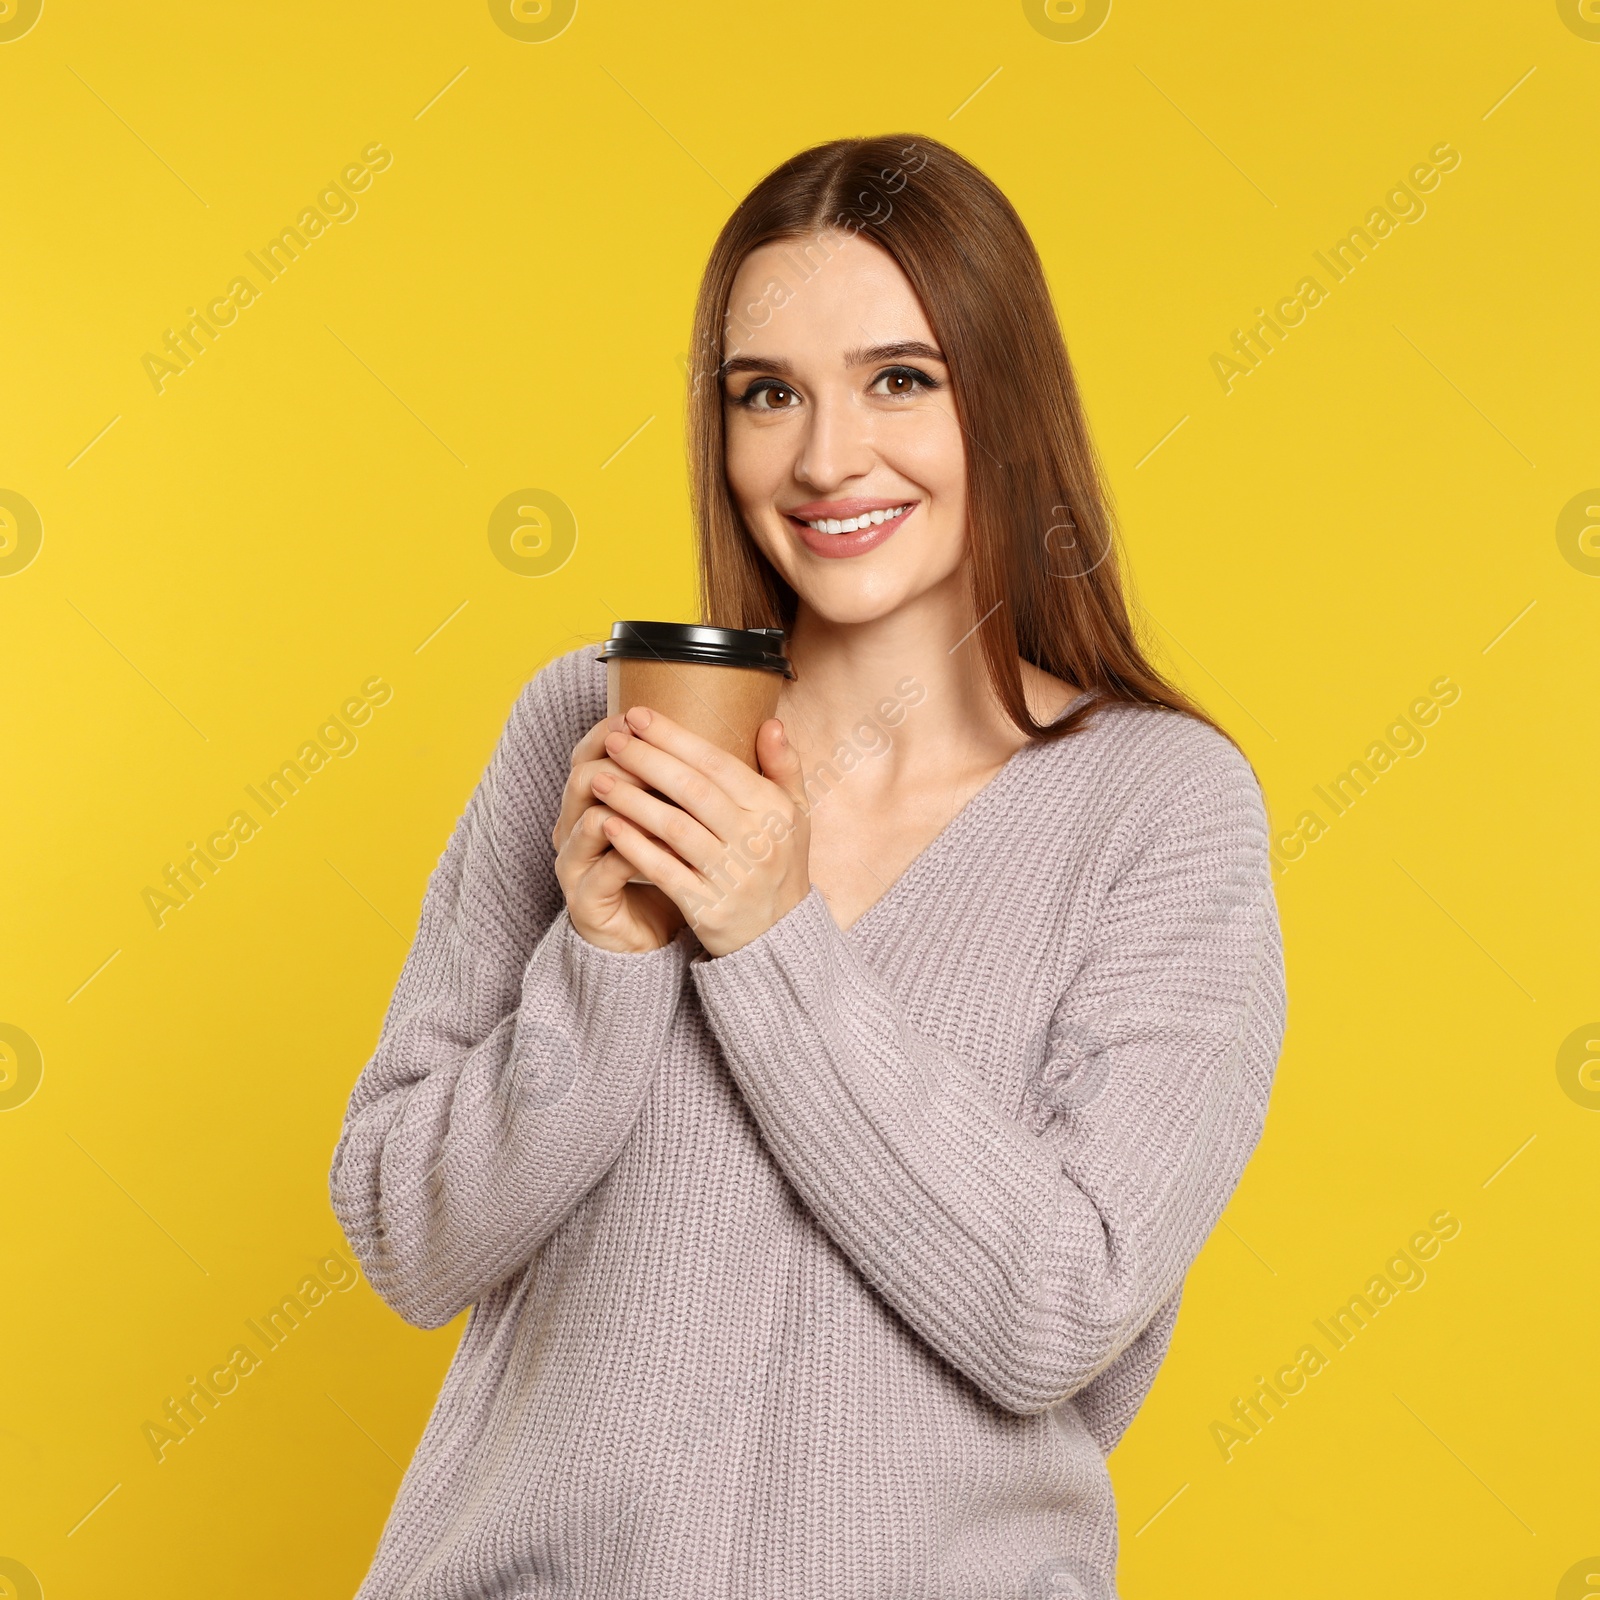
(867, 519)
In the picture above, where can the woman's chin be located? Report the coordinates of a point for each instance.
(850, 604)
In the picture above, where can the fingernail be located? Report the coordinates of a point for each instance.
(602, 784)
(616, 743)
(639, 716)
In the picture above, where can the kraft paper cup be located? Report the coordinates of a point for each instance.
(724, 705)
(721, 683)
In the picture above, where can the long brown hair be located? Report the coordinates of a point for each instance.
(1044, 560)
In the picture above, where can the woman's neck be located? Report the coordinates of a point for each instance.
(919, 674)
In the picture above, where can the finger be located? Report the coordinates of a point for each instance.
(681, 884)
(585, 844)
(695, 790)
(581, 785)
(592, 744)
(779, 759)
(607, 880)
(583, 775)
(579, 793)
(590, 747)
(728, 772)
(671, 824)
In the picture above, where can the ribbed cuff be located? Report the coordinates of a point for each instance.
(596, 1019)
(804, 926)
(669, 961)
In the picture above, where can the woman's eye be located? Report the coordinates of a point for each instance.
(899, 382)
(769, 397)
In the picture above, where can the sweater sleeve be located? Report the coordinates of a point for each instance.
(514, 1057)
(1109, 1402)
(1032, 1249)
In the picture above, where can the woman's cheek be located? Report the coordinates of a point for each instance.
(773, 548)
(754, 466)
(756, 477)
(929, 461)
(925, 446)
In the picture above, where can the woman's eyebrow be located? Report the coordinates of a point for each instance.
(866, 356)
(871, 354)
(773, 364)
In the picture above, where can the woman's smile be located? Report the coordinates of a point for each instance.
(840, 528)
(839, 424)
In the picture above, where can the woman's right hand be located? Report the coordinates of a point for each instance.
(604, 907)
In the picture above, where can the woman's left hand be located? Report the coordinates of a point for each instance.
(728, 845)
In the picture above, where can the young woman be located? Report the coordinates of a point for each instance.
(824, 1201)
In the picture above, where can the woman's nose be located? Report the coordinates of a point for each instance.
(837, 445)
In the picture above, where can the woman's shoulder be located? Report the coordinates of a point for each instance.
(555, 708)
(1145, 760)
(1157, 736)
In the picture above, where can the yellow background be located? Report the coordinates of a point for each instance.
(306, 505)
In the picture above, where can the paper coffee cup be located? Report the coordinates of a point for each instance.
(721, 683)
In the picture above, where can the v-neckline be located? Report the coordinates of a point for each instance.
(918, 863)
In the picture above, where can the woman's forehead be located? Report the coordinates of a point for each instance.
(826, 291)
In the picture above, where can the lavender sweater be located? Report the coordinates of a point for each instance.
(834, 1267)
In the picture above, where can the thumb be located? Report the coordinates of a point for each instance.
(779, 759)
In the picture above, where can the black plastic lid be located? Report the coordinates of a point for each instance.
(690, 642)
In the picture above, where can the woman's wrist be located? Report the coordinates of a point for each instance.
(785, 925)
(620, 942)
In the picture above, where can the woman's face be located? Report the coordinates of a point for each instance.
(843, 450)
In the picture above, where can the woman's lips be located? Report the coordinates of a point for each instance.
(838, 546)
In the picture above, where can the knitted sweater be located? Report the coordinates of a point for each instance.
(831, 1268)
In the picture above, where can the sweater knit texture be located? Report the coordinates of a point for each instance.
(832, 1268)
